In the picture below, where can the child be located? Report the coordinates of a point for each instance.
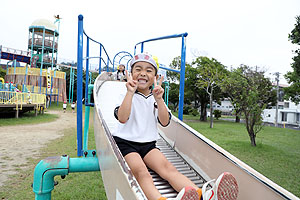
(65, 106)
(73, 107)
(137, 133)
(120, 74)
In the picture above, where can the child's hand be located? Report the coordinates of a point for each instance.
(131, 84)
(158, 91)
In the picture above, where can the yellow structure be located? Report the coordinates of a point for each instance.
(19, 99)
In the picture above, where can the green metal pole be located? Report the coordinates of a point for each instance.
(47, 169)
(73, 81)
(87, 119)
(166, 92)
(70, 86)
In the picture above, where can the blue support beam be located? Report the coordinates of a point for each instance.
(79, 85)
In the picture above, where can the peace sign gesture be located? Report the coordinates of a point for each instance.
(131, 84)
(158, 90)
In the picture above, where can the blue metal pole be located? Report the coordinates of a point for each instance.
(107, 64)
(79, 85)
(100, 59)
(182, 77)
(142, 47)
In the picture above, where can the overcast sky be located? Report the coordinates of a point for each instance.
(251, 32)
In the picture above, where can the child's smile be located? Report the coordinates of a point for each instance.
(144, 73)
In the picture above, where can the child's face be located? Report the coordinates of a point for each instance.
(144, 73)
(121, 67)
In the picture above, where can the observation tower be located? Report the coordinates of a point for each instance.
(43, 43)
(41, 75)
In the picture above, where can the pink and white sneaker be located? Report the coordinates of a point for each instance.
(187, 193)
(225, 188)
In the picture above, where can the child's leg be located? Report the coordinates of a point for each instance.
(142, 175)
(156, 161)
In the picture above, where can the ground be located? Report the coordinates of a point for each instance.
(18, 143)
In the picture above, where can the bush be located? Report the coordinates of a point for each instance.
(171, 107)
(186, 109)
(194, 112)
(2, 73)
(217, 113)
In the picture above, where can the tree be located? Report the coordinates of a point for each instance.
(2, 73)
(192, 92)
(250, 92)
(210, 74)
(293, 78)
(174, 95)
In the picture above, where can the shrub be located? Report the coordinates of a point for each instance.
(186, 109)
(217, 113)
(194, 112)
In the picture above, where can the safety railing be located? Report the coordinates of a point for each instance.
(182, 66)
(19, 98)
(34, 71)
(15, 51)
(39, 42)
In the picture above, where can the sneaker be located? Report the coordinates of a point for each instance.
(225, 188)
(187, 193)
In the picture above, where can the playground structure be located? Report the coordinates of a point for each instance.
(200, 163)
(40, 74)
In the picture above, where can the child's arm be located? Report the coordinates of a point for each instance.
(125, 108)
(163, 114)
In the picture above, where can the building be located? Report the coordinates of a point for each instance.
(226, 107)
(288, 112)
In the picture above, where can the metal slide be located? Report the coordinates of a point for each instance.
(192, 154)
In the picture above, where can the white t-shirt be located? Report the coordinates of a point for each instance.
(142, 123)
(119, 75)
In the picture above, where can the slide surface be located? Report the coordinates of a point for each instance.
(192, 154)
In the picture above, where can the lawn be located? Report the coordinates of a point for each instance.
(87, 186)
(28, 118)
(276, 155)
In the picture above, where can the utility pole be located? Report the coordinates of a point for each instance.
(277, 99)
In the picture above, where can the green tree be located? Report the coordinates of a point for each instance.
(175, 64)
(250, 92)
(209, 77)
(174, 95)
(218, 114)
(293, 77)
(2, 73)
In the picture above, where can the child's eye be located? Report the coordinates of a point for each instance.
(149, 70)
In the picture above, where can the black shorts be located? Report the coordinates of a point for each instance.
(127, 147)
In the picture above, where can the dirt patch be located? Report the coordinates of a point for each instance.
(18, 143)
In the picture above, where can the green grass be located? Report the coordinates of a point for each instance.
(276, 155)
(28, 118)
(75, 186)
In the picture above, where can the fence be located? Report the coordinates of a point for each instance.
(19, 98)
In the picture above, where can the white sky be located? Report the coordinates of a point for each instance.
(251, 32)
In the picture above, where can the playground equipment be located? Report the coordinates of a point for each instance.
(200, 163)
(42, 56)
(43, 43)
(14, 54)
